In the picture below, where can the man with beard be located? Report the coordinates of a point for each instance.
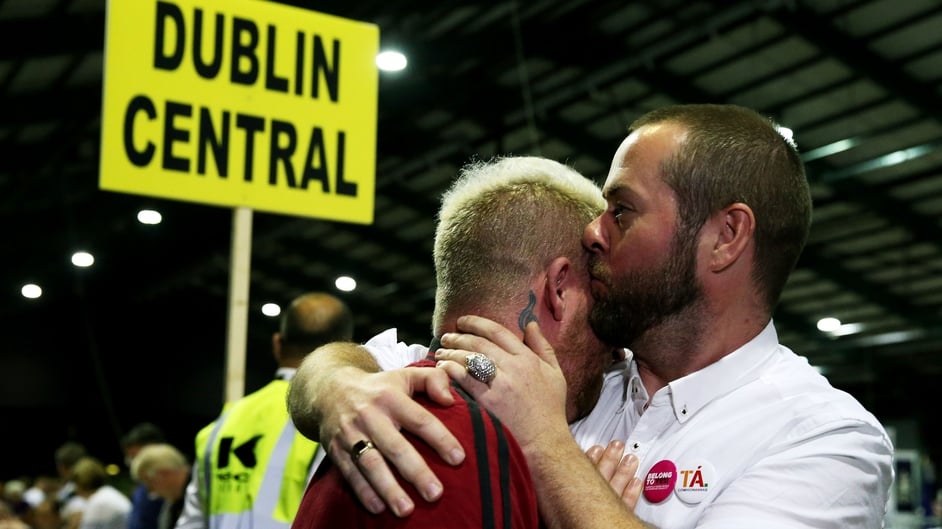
(708, 211)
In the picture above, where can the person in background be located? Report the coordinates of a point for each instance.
(46, 515)
(71, 504)
(251, 465)
(106, 507)
(13, 496)
(9, 519)
(42, 487)
(507, 247)
(42, 490)
(708, 211)
(164, 472)
(144, 509)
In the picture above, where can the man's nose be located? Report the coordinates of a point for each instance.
(592, 237)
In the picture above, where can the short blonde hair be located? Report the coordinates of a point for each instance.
(89, 474)
(501, 222)
(155, 457)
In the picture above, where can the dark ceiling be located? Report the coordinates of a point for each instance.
(142, 334)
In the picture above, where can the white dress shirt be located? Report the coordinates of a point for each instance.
(106, 508)
(757, 439)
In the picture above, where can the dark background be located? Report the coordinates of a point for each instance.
(142, 334)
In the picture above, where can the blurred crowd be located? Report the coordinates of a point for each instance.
(85, 493)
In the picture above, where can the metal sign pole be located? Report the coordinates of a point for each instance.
(238, 303)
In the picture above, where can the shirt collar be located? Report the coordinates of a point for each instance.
(689, 394)
(285, 373)
(636, 394)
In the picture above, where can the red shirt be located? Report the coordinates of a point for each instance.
(490, 489)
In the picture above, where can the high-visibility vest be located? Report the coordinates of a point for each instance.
(253, 464)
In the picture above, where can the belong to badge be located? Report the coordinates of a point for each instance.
(660, 480)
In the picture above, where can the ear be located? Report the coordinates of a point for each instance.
(736, 225)
(558, 280)
(276, 346)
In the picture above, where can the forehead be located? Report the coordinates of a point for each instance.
(638, 158)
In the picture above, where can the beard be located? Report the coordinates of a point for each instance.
(639, 300)
(583, 360)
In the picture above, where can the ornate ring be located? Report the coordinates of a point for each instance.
(361, 447)
(480, 367)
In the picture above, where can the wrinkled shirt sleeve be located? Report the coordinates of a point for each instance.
(392, 354)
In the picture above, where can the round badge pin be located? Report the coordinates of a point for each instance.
(694, 481)
(660, 480)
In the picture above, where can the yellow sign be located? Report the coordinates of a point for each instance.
(238, 103)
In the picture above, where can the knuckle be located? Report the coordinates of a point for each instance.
(371, 462)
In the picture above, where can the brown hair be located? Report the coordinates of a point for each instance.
(312, 320)
(733, 154)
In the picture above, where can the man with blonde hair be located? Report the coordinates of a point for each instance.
(164, 472)
(507, 247)
(106, 507)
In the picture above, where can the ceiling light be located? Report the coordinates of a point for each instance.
(345, 283)
(829, 324)
(848, 328)
(892, 337)
(82, 259)
(829, 149)
(271, 309)
(31, 291)
(391, 61)
(881, 162)
(149, 216)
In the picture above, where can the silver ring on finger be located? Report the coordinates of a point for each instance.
(480, 367)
